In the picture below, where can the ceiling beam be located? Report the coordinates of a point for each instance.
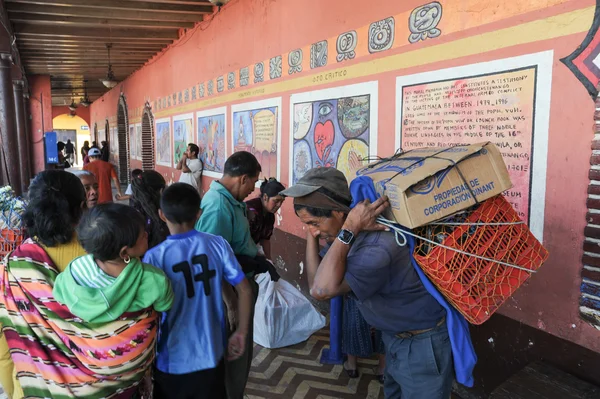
(90, 42)
(108, 13)
(44, 19)
(161, 7)
(83, 56)
(104, 34)
(82, 46)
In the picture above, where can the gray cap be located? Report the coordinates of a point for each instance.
(330, 179)
(94, 152)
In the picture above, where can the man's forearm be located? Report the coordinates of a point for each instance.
(312, 259)
(245, 303)
(118, 185)
(329, 277)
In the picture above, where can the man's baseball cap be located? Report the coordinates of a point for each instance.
(94, 152)
(332, 182)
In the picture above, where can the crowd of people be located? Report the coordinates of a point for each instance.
(112, 300)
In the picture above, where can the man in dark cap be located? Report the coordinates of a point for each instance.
(363, 260)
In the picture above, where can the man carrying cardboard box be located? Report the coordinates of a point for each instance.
(363, 260)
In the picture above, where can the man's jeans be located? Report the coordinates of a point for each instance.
(419, 367)
(237, 371)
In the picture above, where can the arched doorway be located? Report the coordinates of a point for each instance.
(147, 138)
(75, 129)
(123, 139)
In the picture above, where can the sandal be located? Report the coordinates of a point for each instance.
(352, 373)
(380, 377)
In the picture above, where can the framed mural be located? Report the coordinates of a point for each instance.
(132, 141)
(212, 139)
(504, 101)
(138, 142)
(256, 128)
(333, 128)
(101, 136)
(183, 134)
(163, 142)
(113, 146)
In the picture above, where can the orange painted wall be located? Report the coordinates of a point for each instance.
(82, 112)
(40, 109)
(473, 31)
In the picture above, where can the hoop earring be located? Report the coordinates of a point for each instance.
(127, 259)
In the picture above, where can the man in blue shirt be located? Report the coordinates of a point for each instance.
(224, 214)
(363, 260)
(192, 335)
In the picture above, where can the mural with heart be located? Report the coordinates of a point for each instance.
(256, 128)
(334, 128)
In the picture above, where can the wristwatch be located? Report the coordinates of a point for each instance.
(346, 236)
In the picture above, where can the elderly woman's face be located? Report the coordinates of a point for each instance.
(273, 204)
(91, 190)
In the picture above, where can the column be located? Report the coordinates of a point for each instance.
(21, 122)
(8, 126)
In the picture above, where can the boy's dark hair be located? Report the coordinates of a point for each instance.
(180, 203)
(136, 173)
(107, 228)
(242, 163)
(316, 212)
(194, 148)
(54, 208)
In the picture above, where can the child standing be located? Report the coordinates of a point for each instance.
(111, 279)
(192, 335)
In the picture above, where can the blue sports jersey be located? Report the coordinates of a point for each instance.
(192, 334)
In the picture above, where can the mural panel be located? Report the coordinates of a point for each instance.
(132, 141)
(333, 128)
(183, 134)
(138, 142)
(163, 142)
(212, 140)
(505, 101)
(256, 128)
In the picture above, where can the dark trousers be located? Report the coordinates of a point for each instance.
(204, 384)
(419, 367)
(237, 371)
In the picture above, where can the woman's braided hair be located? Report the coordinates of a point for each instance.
(147, 190)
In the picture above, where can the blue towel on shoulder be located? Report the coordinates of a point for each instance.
(362, 188)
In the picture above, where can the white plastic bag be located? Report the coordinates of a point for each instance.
(282, 315)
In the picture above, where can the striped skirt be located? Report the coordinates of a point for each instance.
(358, 338)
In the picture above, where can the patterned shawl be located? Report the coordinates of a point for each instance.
(57, 355)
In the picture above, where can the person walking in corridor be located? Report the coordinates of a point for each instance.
(104, 172)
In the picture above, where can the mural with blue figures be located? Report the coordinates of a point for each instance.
(331, 133)
(211, 140)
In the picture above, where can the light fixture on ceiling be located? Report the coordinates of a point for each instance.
(219, 3)
(85, 101)
(110, 80)
(73, 106)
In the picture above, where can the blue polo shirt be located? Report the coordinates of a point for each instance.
(192, 333)
(391, 296)
(224, 216)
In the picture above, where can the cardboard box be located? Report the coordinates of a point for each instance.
(428, 184)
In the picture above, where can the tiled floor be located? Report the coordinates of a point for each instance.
(295, 373)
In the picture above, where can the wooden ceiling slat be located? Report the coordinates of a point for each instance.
(123, 5)
(139, 58)
(108, 13)
(104, 34)
(44, 19)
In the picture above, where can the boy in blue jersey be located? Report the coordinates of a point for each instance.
(192, 335)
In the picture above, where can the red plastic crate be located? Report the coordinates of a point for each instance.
(9, 240)
(477, 287)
